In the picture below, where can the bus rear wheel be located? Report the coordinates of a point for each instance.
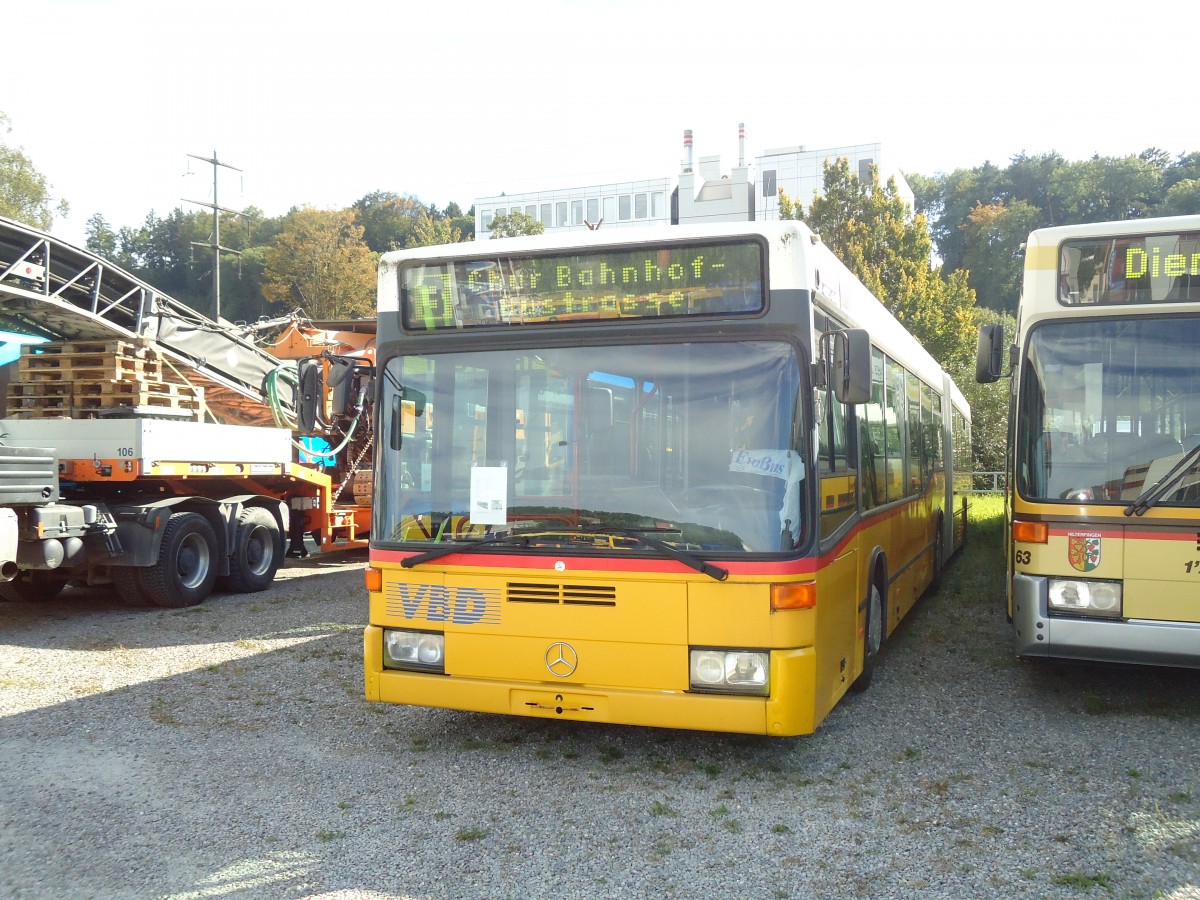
(872, 638)
(935, 582)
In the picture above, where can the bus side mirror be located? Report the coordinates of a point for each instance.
(989, 354)
(851, 373)
(312, 397)
(396, 425)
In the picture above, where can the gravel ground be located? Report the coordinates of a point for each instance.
(226, 752)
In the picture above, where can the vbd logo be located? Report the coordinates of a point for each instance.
(438, 603)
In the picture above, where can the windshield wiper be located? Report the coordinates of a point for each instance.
(519, 540)
(689, 560)
(527, 540)
(1154, 493)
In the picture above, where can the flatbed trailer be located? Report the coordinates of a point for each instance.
(164, 511)
(146, 446)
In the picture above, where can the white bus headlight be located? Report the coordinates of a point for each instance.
(423, 651)
(1085, 597)
(730, 671)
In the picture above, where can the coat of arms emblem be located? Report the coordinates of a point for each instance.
(1083, 550)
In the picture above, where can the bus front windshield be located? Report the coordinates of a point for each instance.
(1107, 407)
(694, 445)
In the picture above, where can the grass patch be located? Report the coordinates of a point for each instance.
(471, 834)
(1083, 881)
(161, 713)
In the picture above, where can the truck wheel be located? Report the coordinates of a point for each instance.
(257, 552)
(128, 583)
(185, 572)
(34, 586)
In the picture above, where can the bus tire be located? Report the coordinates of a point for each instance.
(34, 586)
(257, 552)
(872, 636)
(939, 560)
(186, 569)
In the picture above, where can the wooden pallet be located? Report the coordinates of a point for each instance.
(138, 349)
(118, 392)
(86, 367)
(41, 392)
(143, 399)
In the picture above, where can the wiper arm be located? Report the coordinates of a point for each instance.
(519, 540)
(1154, 493)
(692, 562)
(525, 540)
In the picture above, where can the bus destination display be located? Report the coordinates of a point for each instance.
(617, 284)
(1155, 268)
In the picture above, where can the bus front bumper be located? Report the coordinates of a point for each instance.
(782, 714)
(1038, 634)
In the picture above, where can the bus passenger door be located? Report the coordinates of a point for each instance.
(838, 597)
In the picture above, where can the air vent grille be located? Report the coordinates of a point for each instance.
(567, 594)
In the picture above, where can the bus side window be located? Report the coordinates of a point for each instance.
(838, 481)
(870, 441)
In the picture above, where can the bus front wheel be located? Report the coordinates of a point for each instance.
(872, 638)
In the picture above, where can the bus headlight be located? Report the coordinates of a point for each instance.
(1085, 597)
(422, 651)
(730, 671)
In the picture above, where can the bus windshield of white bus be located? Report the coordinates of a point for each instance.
(617, 284)
(1107, 407)
(696, 445)
(1144, 268)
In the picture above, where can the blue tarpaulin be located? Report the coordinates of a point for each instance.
(10, 345)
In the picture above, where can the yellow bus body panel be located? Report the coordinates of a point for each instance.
(632, 647)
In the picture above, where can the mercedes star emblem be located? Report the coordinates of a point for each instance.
(561, 659)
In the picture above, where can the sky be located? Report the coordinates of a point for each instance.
(321, 103)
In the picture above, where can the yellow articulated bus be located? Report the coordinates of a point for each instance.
(706, 512)
(1104, 455)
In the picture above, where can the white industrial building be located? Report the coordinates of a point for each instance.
(702, 193)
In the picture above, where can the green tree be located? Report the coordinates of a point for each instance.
(868, 226)
(1183, 198)
(515, 224)
(430, 231)
(463, 221)
(387, 219)
(100, 238)
(24, 191)
(994, 235)
(320, 264)
(1103, 189)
